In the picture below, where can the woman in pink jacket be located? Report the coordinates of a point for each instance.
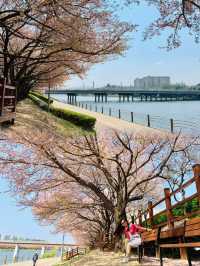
(132, 235)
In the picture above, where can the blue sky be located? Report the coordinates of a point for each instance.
(18, 221)
(143, 58)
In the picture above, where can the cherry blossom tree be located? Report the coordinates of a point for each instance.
(174, 17)
(52, 40)
(90, 181)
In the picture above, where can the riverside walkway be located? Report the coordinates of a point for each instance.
(41, 262)
(105, 121)
(98, 258)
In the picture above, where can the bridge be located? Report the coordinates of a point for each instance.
(16, 246)
(131, 95)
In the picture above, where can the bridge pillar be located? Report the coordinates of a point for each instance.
(123, 98)
(128, 98)
(106, 98)
(102, 97)
(95, 98)
(120, 98)
(132, 97)
(16, 254)
(42, 252)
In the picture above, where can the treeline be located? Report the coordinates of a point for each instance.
(18, 238)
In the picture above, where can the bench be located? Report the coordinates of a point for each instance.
(191, 230)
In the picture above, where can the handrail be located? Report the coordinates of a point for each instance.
(168, 204)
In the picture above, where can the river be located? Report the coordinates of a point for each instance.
(6, 255)
(185, 114)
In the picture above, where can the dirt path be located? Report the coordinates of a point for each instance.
(112, 259)
(42, 262)
(104, 121)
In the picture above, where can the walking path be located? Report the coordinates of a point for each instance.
(112, 259)
(104, 121)
(42, 262)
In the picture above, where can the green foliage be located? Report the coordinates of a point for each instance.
(160, 219)
(82, 120)
(79, 119)
(50, 254)
(188, 207)
(41, 96)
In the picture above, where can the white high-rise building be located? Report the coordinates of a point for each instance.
(150, 82)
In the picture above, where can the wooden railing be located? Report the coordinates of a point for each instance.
(7, 102)
(74, 252)
(169, 207)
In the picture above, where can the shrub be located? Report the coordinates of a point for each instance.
(79, 119)
(82, 120)
(41, 96)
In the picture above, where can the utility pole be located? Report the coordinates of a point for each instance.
(49, 92)
(62, 248)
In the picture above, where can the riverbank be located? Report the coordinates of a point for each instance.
(30, 116)
(98, 258)
(41, 262)
(105, 121)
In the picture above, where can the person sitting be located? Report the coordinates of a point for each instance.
(132, 236)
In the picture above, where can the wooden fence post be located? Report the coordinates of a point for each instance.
(150, 209)
(170, 223)
(148, 121)
(196, 170)
(132, 117)
(172, 125)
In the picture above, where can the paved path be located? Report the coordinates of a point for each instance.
(111, 259)
(104, 121)
(42, 262)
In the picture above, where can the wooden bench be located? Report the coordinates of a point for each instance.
(191, 230)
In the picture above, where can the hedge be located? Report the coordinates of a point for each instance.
(82, 120)
(41, 96)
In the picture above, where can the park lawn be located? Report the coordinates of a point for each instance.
(30, 116)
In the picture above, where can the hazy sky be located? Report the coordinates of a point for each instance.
(145, 58)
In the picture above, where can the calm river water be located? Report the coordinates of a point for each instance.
(6, 255)
(185, 114)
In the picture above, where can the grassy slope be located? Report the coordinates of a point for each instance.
(30, 115)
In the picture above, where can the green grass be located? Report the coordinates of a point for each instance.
(85, 121)
(30, 116)
(40, 96)
(50, 253)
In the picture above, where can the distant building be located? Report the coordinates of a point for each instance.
(151, 82)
